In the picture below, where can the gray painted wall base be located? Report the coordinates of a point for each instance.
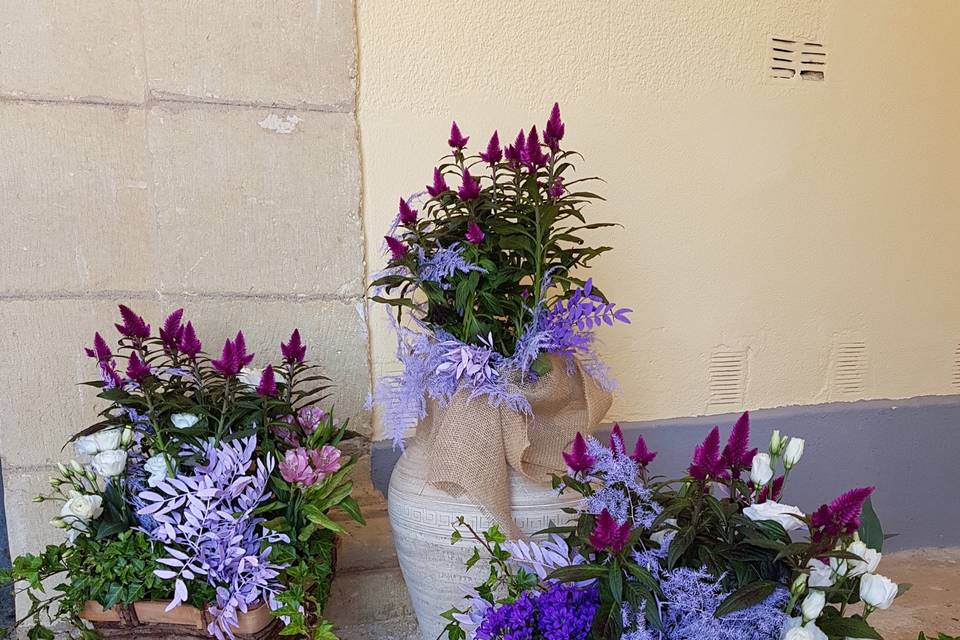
(908, 449)
(7, 612)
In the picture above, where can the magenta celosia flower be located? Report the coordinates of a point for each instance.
(397, 248)
(617, 444)
(772, 491)
(578, 460)
(296, 468)
(470, 188)
(553, 132)
(493, 154)
(707, 461)
(532, 154)
(641, 454)
(439, 184)
(842, 516)
(100, 349)
(101, 352)
(172, 330)
(234, 357)
(457, 140)
(556, 189)
(514, 152)
(737, 454)
(325, 461)
(407, 214)
(293, 351)
(268, 382)
(607, 534)
(474, 233)
(133, 325)
(188, 343)
(137, 369)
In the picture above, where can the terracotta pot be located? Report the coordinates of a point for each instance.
(422, 519)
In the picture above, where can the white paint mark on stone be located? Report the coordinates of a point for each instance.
(362, 314)
(278, 124)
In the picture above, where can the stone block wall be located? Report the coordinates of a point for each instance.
(167, 154)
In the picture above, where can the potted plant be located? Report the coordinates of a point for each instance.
(200, 504)
(715, 555)
(495, 323)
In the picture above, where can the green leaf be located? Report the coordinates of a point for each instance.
(317, 517)
(679, 545)
(853, 627)
(748, 596)
(871, 532)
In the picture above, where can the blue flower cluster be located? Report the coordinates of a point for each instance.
(562, 612)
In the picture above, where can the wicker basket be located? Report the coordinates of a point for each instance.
(147, 619)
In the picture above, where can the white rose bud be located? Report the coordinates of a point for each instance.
(877, 591)
(156, 466)
(76, 467)
(821, 575)
(110, 463)
(789, 517)
(38, 499)
(108, 439)
(813, 604)
(63, 470)
(184, 420)
(776, 443)
(59, 523)
(799, 585)
(870, 559)
(126, 437)
(760, 470)
(793, 452)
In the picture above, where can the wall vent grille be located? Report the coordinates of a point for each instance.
(850, 367)
(792, 59)
(956, 367)
(727, 378)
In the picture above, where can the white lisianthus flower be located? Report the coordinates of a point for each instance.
(78, 511)
(821, 575)
(250, 376)
(793, 452)
(813, 604)
(795, 629)
(776, 443)
(839, 566)
(789, 517)
(104, 440)
(660, 535)
(870, 559)
(156, 466)
(760, 470)
(110, 463)
(877, 591)
(184, 420)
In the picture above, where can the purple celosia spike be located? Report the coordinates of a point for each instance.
(397, 248)
(407, 214)
(845, 510)
(641, 454)
(100, 349)
(736, 450)
(457, 140)
(493, 154)
(189, 343)
(707, 462)
(439, 184)
(470, 188)
(607, 534)
(578, 459)
(556, 189)
(228, 357)
(617, 444)
(172, 330)
(293, 351)
(766, 493)
(242, 357)
(133, 325)
(533, 155)
(514, 152)
(268, 382)
(137, 369)
(553, 132)
(474, 233)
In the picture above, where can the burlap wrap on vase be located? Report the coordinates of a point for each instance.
(471, 445)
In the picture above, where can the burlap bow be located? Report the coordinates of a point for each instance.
(471, 446)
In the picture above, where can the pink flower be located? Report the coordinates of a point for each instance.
(295, 467)
(310, 418)
(607, 534)
(325, 461)
(578, 460)
(474, 233)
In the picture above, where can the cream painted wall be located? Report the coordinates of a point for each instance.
(784, 219)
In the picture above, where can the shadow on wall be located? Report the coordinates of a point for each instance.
(903, 448)
(7, 613)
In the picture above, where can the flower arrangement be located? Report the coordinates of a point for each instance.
(483, 267)
(715, 555)
(206, 482)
